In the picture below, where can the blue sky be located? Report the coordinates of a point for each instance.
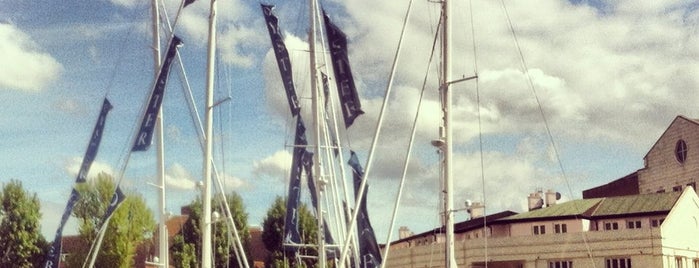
(610, 75)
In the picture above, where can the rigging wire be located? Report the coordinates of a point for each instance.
(545, 120)
(480, 135)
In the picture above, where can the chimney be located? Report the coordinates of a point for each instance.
(551, 197)
(404, 232)
(535, 201)
(476, 210)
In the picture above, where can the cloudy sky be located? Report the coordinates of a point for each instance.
(608, 76)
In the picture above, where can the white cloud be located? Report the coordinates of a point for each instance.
(178, 178)
(73, 167)
(25, 67)
(274, 166)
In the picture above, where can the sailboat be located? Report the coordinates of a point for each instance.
(324, 179)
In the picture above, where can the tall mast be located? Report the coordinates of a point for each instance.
(445, 92)
(206, 251)
(162, 227)
(316, 134)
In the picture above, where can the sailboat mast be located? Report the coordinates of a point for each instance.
(316, 134)
(162, 227)
(445, 92)
(206, 251)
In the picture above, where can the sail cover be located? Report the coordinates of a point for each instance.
(370, 255)
(145, 133)
(282, 56)
(349, 99)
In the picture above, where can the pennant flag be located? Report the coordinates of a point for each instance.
(53, 257)
(282, 56)
(349, 99)
(370, 256)
(145, 133)
(188, 2)
(93, 147)
(291, 222)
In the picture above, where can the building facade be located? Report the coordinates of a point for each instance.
(649, 218)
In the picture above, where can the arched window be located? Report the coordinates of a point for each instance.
(681, 151)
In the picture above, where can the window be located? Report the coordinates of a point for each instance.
(561, 264)
(656, 222)
(695, 263)
(618, 263)
(633, 224)
(681, 151)
(693, 184)
(611, 226)
(560, 228)
(677, 188)
(679, 262)
(539, 229)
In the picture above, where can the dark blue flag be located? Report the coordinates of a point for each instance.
(291, 222)
(117, 198)
(53, 257)
(370, 256)
(94, 145)
(349, 99)
(282, 56)
(145, 133)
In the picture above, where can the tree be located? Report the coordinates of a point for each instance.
(190, 237)
(130, 224)
(22, 244)
(273, 234)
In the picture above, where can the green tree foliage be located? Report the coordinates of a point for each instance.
(273, 234)
(223, 248)
(21, 242)
(131, 223)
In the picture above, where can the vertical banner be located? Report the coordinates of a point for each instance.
(53, 257)
(282, 56)
(369, 254)
(145, 133)
(94, 145)
(291, 222)
(54, 254)
(349, 99)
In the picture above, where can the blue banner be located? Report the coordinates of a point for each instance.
(370, 256)
(53, 257)
(291, 222)
(145, 133)
(282, 56)
(349, 99)
(94, 145)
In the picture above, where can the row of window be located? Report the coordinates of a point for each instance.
(623, 262)
(560, 228)
(677, 188)
(609, 263)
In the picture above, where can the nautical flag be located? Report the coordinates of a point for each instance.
(53, 257)
(349, 99)
(370, 256)
(188, 2)
(291, 222)
(145, 133)
(94, 142)
(282, 56)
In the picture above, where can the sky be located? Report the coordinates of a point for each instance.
(608, 77)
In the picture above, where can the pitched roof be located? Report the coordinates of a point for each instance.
(637, 204)
(602, 207)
